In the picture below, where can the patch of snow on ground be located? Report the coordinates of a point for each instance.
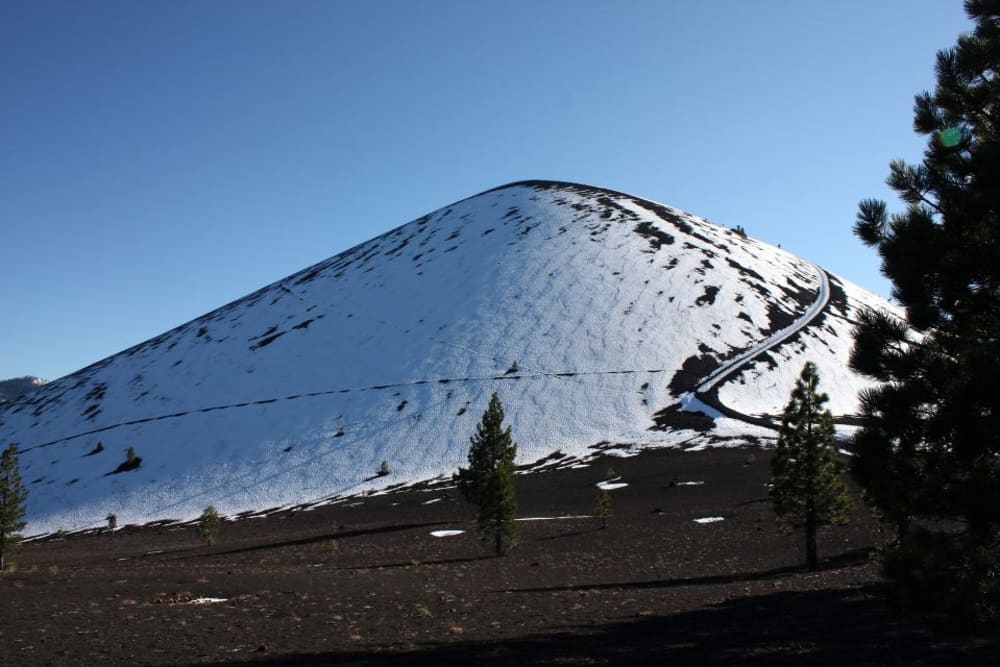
(688, 483)
(710, 519)
(611, 486)
(446, 533)
(689, 403)
(208, 600)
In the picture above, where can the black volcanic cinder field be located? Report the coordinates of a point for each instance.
(364, 582)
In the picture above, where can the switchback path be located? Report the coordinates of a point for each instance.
(707, 390)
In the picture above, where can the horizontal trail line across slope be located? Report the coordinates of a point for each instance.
(329, 392)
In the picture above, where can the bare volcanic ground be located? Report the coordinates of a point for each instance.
(365, 582)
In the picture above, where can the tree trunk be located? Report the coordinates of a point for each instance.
(498, 528)
(902, 528)
(811, 558)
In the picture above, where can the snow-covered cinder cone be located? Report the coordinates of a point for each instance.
(589, 312)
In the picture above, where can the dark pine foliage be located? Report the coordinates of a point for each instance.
(209, 525)
(489, 480)
(13, 503)
(805, 483)
(930, 440)
(602, 507)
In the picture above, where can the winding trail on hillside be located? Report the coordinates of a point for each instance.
(707, 390)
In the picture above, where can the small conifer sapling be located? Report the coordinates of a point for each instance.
(209, 525)
(602, 507)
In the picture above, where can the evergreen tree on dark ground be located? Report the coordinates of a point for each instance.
(806, 484)
(13, 503)
(602, 507)
(489, 480)
(929, 445)
(209, 525)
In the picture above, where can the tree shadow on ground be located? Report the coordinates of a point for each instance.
(825, 627)
(575, 533)
(417, 563)
(324, 537)
(846, 559)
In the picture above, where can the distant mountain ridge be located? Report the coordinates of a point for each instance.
(603, 321)
(16, 387)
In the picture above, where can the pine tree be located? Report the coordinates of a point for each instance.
(13, 503)
(806, 483)
(209, 524)
(602, 506)
(891, 460)
(929, 446)
(489, 480)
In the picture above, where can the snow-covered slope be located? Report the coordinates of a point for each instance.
(590, 312)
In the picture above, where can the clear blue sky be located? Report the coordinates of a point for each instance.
(160, 159)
